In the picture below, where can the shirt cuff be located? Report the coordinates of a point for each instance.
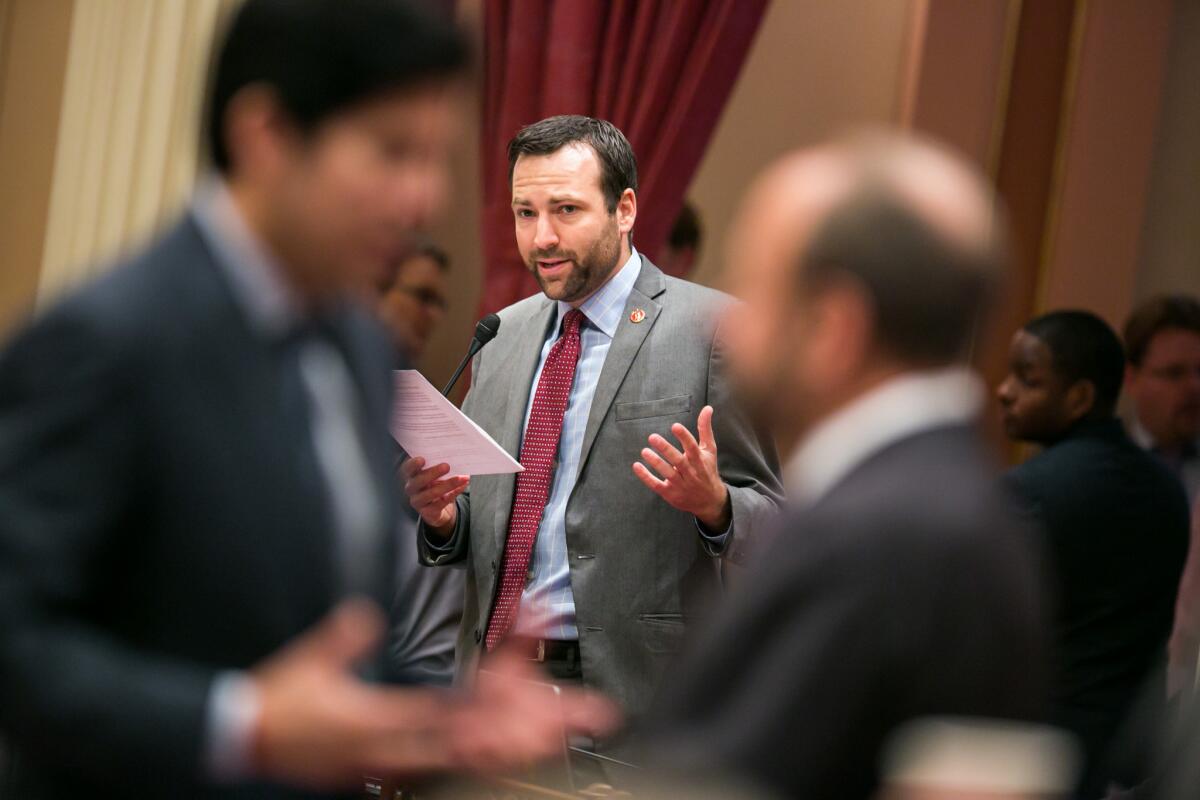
(716, 540)
(435, 543)
(232, 714)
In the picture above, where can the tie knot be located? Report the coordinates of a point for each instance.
(571, 322)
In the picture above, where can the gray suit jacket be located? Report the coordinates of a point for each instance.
(639, 568)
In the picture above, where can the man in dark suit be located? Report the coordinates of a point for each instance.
(195, 474)
(898, 586)
(1115, 525)
(598, 563)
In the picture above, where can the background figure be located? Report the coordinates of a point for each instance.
(196, 485)
(597, 567)
(1114, 525)
(428, 607)
(412, 300)
(899, 586)
(1162, 380)
(683, 243)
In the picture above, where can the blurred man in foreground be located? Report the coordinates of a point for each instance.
(899, 586)
(1114, 525)
(195, 480)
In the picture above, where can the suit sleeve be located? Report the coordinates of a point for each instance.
(748, 464)
(71, 689)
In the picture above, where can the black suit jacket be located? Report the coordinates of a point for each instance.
(162, 517)
(1115, 532)
(907, 591)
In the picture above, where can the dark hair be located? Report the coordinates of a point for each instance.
(1084, 347)
(686, 232)
(1156, 315)
(322, 56)
(618, 165)
(928, 294)
(426, 248)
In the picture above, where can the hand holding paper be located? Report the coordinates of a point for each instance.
(435, 433)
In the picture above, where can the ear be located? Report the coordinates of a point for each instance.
(840, 335)
(256, 131)
(1080, 399)
(626, 211)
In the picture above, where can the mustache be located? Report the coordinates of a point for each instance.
(553, 255)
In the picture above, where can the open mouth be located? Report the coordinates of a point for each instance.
(552, 267)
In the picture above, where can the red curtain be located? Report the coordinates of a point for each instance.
(660, 70)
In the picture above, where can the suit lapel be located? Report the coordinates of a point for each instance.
(625, 346)
(518, 368)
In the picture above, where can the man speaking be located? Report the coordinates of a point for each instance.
(594, 562)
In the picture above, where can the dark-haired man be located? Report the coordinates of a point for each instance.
(596, 566)
(195, 474)
(1115, 526)
(899, 585)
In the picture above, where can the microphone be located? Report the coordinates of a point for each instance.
(485, 330)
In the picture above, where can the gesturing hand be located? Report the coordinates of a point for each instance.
(689, 479)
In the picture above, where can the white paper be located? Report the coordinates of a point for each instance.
(428, 425)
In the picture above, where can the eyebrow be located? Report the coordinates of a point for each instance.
(554, 201)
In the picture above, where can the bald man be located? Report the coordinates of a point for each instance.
(899, 586)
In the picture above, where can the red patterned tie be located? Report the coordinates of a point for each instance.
(538, 449)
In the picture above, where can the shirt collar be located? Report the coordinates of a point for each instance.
(903, 406)
(256, 278)
(1145, 440)
(604, 308)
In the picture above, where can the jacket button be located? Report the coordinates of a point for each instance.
(493, 567)
(478, 636)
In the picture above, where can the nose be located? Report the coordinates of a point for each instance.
(1004, 392)
(545, 237)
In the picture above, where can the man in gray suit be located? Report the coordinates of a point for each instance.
(594, 562)
(900, 586)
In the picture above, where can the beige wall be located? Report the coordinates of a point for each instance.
(816, 68)
(1170, 247)
(33, 59)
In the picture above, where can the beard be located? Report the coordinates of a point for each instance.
(588, 272)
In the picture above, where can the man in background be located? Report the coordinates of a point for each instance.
(683, 243)
(412, 299)
(1162, 381)
(196, 488)
(429, 602)
(1114, 524)
(899, 586)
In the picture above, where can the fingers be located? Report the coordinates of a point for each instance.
(439, 493)
(418, 478)
(648, 478)
(660, 466)
(691, 448)
(704, 424)
(345, 635)
(666, 450)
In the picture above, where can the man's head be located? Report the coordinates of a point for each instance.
(330, 120)
(574, 185)
(683, 243)
(1162, 340)
(858, 260)
(1064, 367)
(413, 300)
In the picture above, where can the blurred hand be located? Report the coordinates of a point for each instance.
(320, 726)
(514, 719)
(432, 494)
(688, 480)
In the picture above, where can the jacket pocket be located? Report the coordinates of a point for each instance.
(667, 406)
(662, 633)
